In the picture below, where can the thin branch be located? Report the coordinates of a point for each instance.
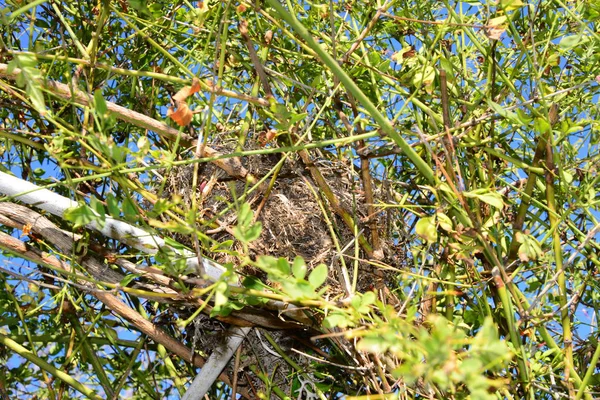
(232, 166)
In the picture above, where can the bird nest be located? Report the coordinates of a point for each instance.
(297, 220)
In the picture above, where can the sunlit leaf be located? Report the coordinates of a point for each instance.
(426, 228)
(318, 276)
(299, 268)
(80, 215)
(494, 199)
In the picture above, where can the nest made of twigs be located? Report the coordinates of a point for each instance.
(296, 220)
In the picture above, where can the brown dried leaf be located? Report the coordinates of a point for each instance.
(187, 91)
(495, 28)
(183, 115)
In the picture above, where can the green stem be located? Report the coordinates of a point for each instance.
(589, 373)
(349, 84)
(27, 354)
(557, 247)
(514, 336)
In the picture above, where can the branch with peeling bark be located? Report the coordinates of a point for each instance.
(137, 238)
(16, 215)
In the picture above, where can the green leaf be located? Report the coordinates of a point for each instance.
(372, 344)
(140, 6)
(171, 226)
(225, 245)
(100, 103)
(369, 298)
(221, 294)
(128, 278)
(427, 229)
(245, 231)
(245, 215)
(503, 112)
(299, 268)
(252, 282)
(266, 263)
(337, 320)
(129, 209)
(530, 249)
(494, 199)
(424, 76)
(523, 117)
(99, 208)
(283, 266)
(80, 215)
(298, 290)
(541, 125)
(318, 276)
(510, 5)
(113, 206)
(253, 232)
(568, 42)
(444, 221)
(143, 144)
(37, 97)
(160, 206)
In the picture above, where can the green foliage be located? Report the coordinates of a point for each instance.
(294, 283)
(453, 148)
(246, 230)
(82, 215)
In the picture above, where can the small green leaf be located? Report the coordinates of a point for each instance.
(160, 207)
(143, 144)
(171, 226)
(37, 97)
(523, 117)
(221, 296)
(426, 229)
(129, 209)
(541, 125)
(283, 266)
(369, 298)
(510, 5)
(267, 263)
(128, 278)
(568, 42)
(113, 206)
(530, 249)
(226, 245)
(494, 199)
(245, 215)
(509, 115)
(337, 320)
(140, 6)
(80, 215)
(298, 290)
(100, 103)
(424, 76)
(253, 232)
(444, 221)
(97, 206)
(245, 231)
(372, 344)
(318, 276)
(252, 282)
(299, 268)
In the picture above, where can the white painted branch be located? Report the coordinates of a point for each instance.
(56, 204)
(215, 364)
(135, 237)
